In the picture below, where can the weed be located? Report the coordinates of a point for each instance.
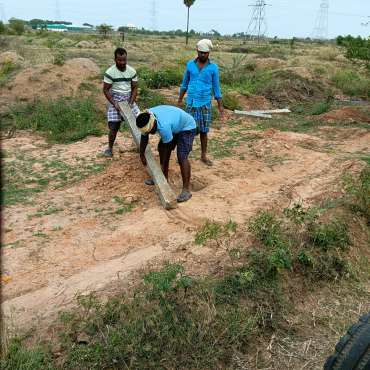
(159, 79)
(149, 98)
(19, 357)
(59, 58)
(63, 120)
(230, 102)
(351, 83)
(209, 231)
(333, 234)
(6, 71)
(320, 108)
(358, 190)
(124, 206)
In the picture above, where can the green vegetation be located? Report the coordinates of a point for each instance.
(356, 47)
(352, 83)
(157, 79)
(124, 206)
(173, 320)
(22, 180)
(230, 102)
(6, 71)
(149, 98)
(63, 120)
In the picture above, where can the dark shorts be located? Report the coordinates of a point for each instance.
(184, 142)
(114, 125)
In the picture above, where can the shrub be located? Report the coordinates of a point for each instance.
(63, 120)
(351, 83)
(148, 98)
(159, 79)
(59, 58)
(5, 72)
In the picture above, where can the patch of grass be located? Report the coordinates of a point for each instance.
(328, 235)
(19, 357)
(358, 190)
(22, 182)
(213, 230)
(46, 211)
(150, 98)
(6, 71)
(160, 78)
(352, 83)
(320, 108)
(230, 102)
(63, 120)
(124, 206)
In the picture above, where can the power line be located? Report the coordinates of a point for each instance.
(321, 29)
(154, 15)
(257, 27)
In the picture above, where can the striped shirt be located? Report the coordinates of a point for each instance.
(120, 80)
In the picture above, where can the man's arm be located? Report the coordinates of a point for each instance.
(184, 86)
(133, 92)
(143, 144)
(108, 95)
(165, 150)
(217, 91)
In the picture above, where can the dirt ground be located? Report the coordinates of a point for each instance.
(95, 224)
(83, 244)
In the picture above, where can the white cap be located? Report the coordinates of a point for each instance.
(204, 45)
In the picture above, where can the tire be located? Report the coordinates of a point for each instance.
(353, 350)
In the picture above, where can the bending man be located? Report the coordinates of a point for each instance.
(176, 128)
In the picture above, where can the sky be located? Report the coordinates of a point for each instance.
(285, 18)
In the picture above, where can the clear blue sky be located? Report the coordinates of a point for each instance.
(286, 18)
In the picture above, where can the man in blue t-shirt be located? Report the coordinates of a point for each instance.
(176, 128)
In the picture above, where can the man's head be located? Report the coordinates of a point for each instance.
(120, 57)
(204, 46)
(146, 123)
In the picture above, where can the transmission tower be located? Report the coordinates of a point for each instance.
(154, 15)
(57, 11)
(257, 27)
(320, 31)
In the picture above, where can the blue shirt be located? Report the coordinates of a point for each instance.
(172, 120)
(200, 84)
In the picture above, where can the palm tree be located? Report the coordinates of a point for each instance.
(188, 4)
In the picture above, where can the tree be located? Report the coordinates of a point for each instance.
(17, 25)
(2, 27)
(188, 4)
(104, 29)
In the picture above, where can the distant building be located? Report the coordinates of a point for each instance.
(64, 28)
(131, 27)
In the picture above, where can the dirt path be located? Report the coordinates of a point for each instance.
(78, 238)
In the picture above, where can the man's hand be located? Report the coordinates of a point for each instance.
(116, 106)
(143, 159)
(179, 103)
(221, 112)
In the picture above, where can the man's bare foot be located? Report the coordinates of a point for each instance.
(207, 161)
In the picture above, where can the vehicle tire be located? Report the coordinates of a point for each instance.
(353, 350)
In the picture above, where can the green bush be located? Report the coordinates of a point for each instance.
(59, 58)
(5, 72)
(148, 98)
(63, 120)
(161, 78)
(351, 83)
(320, 108)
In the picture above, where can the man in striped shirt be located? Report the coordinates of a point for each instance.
(119, 84)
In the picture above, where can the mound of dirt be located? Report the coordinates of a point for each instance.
(347, 114)
(10, 57)
(291, 85)
(86, 45)
(50, 81)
